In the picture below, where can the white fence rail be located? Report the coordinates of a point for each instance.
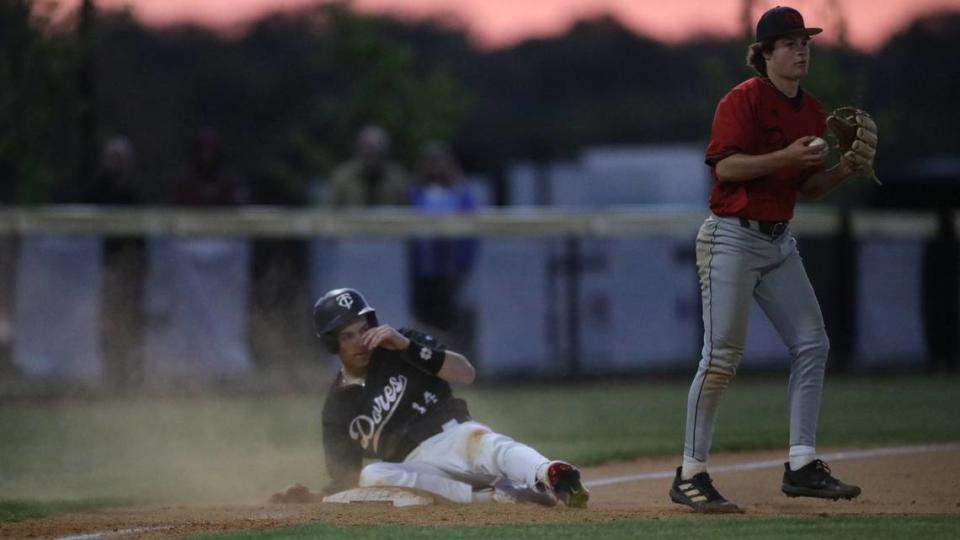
(400, 222)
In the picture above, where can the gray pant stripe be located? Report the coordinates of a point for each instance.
(696, 412)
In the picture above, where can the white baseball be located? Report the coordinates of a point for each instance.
(817, 141)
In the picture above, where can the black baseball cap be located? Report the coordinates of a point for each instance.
(780, 21)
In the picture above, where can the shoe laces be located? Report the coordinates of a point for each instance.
(821, 471)
(819, 465)
(707, 486)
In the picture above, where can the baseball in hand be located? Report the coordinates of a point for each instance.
(817, 142)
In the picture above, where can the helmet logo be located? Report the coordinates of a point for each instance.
(345, 300)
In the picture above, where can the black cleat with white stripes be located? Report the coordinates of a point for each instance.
(698, 493)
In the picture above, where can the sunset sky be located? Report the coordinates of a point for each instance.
(495, 23)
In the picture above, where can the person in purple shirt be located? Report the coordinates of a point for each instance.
(439, 265)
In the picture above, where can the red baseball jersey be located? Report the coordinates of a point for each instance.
(756, 118)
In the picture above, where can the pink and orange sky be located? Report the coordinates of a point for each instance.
(495, 23)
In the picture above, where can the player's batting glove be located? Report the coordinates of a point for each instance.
(856, 134)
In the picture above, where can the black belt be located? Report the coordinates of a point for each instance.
(769, 228)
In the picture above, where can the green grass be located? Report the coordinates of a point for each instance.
(15, 510)
(847, 528)
(241, 449)
(596, 423)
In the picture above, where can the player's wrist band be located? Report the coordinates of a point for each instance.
(425, 358)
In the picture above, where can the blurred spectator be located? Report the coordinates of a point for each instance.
(124, 268)
(370, 178)
(280, 295)
(440, 265)
(115, 182)
(8, 256)
(207, 183)
(280, 290)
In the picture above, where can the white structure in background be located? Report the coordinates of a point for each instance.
(637, 295)
(511, 297)
(197, 294)
(57, 308)
(639, 304)
(889, 308)
(609, 176)
(196, 299)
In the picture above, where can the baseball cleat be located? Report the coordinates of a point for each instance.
(564, 480)
(506, 492)
(814, 480)
(698, 493)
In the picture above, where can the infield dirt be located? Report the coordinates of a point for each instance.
(911, 484)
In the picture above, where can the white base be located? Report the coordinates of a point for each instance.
(396, 496)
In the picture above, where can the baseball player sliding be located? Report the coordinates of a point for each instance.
(764, 149)
(392, 401)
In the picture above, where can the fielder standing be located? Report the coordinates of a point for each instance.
(760, 156)
(392, 401)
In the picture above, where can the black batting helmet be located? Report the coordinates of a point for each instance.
(337, 308)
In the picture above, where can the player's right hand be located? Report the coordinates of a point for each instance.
(385, 336)
(802, 156)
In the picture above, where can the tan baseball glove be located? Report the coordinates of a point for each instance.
(856, 134)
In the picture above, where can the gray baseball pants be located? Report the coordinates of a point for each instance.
(736, 265)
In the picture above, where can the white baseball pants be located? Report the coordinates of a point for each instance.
(462, 457)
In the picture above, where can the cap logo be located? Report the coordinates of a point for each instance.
(793, 18)
(345, 300)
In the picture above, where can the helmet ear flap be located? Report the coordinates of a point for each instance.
(330, 342)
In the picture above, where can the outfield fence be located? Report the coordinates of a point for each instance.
(551, 292)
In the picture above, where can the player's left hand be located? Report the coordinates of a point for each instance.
(856, 134)
(385, 336)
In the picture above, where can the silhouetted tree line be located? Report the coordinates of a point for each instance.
(287, 93)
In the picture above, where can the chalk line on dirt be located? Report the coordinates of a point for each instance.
(777, 463)
(114, 533)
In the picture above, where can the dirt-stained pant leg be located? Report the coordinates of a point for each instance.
(737, 264)
(789, 301)
(453, 462)
(504, 457)
(727, 263)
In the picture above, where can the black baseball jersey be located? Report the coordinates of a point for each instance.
(398, 407)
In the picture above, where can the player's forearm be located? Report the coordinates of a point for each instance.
(822, 183)
(744, 167)
(450, 366)
(457, 369)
